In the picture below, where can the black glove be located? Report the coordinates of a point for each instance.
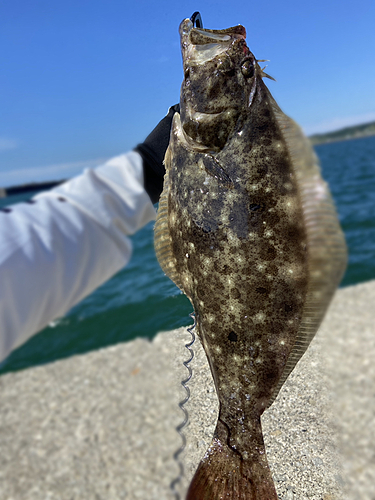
(153, 151)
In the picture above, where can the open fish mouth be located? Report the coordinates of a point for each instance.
(200, 45)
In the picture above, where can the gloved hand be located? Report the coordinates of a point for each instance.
(152, 151)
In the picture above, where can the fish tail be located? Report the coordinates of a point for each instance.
(225, 474)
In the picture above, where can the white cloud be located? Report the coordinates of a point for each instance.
(6, 143)
(55, 171)
(338, 123)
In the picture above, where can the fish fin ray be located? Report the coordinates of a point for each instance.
(162, 238)
(327, 254)
(224, 474)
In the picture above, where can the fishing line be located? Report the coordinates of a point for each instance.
(181, 404)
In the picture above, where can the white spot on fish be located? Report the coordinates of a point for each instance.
(210, 318)
(237, 358)
(259, 317)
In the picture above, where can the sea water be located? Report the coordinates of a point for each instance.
(140, 301)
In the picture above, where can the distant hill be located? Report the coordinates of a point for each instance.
(343, 134)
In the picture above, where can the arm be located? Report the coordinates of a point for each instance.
(60, 247)
(70, 240)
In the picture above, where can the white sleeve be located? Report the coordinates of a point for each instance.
(60, 247)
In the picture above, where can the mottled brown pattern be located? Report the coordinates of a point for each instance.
(234, 236)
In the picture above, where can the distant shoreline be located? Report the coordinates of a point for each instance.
(345, 134)
(343, 139)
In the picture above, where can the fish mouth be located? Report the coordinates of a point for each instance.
(201, 36)
(200, 45)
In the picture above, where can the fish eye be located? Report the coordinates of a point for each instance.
(247, 68)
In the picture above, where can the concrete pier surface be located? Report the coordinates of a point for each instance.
(101, 426)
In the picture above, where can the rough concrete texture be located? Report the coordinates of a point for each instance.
(102, 425)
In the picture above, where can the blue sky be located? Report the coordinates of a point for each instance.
(82, 81)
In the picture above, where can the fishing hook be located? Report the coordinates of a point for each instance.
(196, 19)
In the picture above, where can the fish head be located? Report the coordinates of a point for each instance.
(220, 75)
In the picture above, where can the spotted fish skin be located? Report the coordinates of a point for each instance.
(247, 229)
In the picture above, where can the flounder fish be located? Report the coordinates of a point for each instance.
(247, 229)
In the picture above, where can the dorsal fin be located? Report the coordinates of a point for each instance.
(327, 254)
